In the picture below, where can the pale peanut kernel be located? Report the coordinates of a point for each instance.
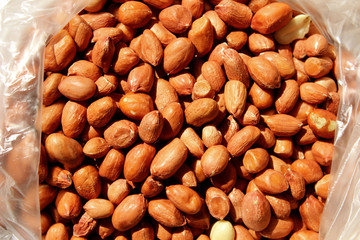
(297, 28)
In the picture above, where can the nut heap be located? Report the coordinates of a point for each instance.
(162, 117)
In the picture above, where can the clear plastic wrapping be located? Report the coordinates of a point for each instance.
(25, 26)
(339, 21)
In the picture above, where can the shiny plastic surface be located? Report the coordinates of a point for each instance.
(25, 26)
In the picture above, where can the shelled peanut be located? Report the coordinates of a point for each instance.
(161, 118)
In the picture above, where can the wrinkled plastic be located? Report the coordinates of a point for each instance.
(339, 21)
(25, 25)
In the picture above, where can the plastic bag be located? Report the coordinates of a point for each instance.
(339, 21)
(25, 25)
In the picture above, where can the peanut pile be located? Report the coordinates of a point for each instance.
(196, 119)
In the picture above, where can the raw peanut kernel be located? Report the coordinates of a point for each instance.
(316, 45)
(235, 196)
(59, 52)
(57, 231)
(287, 96)
(129, 212)
(235, 14)
(177, 55)
(211, 136)
(112, 165)
(137, 162)
(99, 19)
(202, 89)
(164, 35)
(134, 14)
(323, 152)
(235, 97)
(193, 142)
(85, 69)
(87, 183)
(213, 73)
(271, 181)
(313, 93)
(176, 18)
(259, 43)
(280, 205)
(278, 228)
(183, 82)
(309, 169)
(220, 28)
(50, 88)
(222, 230)
(201, 111)
(242, 233)
(99, 208)
(322, 123)
(186, 176)
(77, 88)
(297, 28)
(201, 35)
(201, 219)
(264, 73)
(322, 186)
(80, 31)
(165, 212)
(68, 204)
(96, 147)
(51, 116)
(169, 159)
(311, 211)
(235, 67)
(256, 160)
(196, 7)
(151, 126)
(136, 105)
(275, 123)
(285, 67)
(225, 180)
(255, 211)
(184, 198)
(141, 78)
(121, 134)
(237, 39)
(64, 150)
(296, 184)
(214, 160)
(317, 67)
(151, 49)
(173, 121)
(100, 112)
(59, 177)
(217, 202)
(243, 140)
(271, 17)
(261, 98)
(103, 53)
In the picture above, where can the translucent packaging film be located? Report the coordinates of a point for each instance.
(25, 27)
